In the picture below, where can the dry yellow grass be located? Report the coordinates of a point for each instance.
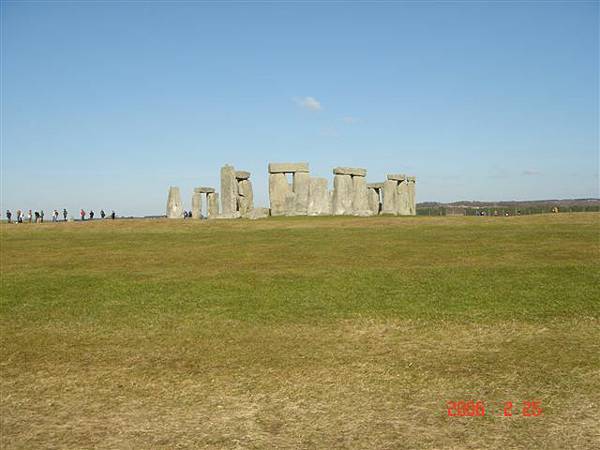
(300, 333)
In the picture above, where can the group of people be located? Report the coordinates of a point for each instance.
(38, 216)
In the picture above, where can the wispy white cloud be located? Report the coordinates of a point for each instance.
(309, 103)
(531, 172)
(350, 119)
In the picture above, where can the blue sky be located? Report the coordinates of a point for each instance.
(107, 104)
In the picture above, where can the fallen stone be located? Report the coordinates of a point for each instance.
(258, 213)
(288, 167)
(355, 172)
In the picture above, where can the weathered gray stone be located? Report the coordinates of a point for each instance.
(300, 188)
(258, 213)
(318, 197)
(212, 205)
(246, 197)
(278, 189)
(233, 215)
(402, 199)
(354, 171)
(290, 201)
(373, 199)
(204, 190)
(342, 195)
(242, 174)
(174, 205)
(288, 167)
(196, 205)
(375, 185)
(412, 198)
(331, 202)
(360, 201)
(229, 191)
(388, 197)
(396, 177)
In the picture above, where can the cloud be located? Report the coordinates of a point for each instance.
(350, 119)
(531, 172)
(309, 103)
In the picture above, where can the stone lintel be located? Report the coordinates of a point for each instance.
(288, 167)
(396, 177)
(204, 190)
(242, 174)
(413, 179)
(355, 172)
(375, 185)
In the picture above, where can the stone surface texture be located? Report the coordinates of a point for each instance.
(242, 174)
(360, 200)
(246, 197)
(396, 177)
(229, 191)
(301, 188)
(174, 205)
(204, 190)
(373, 200)
(212, 205)
(318, 197)
(412, 197)
(258, 213)
(342, 195)
(402, 199)
(196, 205)
(388, 197)
(278, 189)
(350, 171)
(288, 167)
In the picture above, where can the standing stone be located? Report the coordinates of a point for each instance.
(342, 195)
(174, 205)
(301, 188)
(360, 200)
(330, 208)
(290, 201)
(196, 205)
(318, 197)
(412, 198)
(402, 199)
(388, 194)
(373, 200)
(229, 191)
(246, 196)
(212, 205)
(278, 189)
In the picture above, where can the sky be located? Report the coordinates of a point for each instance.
(106, 104)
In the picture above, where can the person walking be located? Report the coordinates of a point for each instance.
(82, 214)
(65, 214)
(8, 215)
(19, 216)
(37, 217)
(29, 216)
(55, 216)
(91, 214)
(112, 215)
(42, 216)
(102, 214)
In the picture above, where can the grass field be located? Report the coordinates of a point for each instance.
(301, 332)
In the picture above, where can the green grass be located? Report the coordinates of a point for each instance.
(300, 332)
